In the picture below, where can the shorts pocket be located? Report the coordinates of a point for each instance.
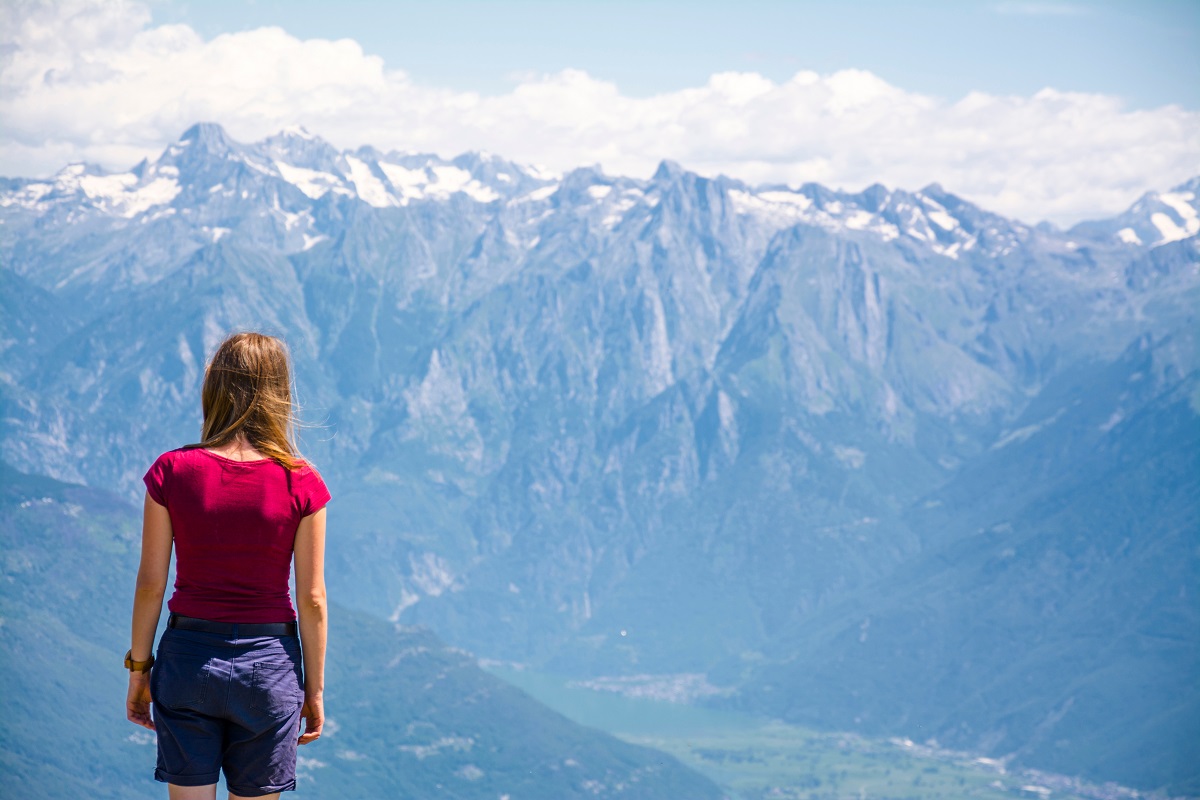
(179, 680)
(275, 688)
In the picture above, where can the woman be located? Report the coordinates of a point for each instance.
(228, 687)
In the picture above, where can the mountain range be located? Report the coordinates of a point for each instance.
(881, 461)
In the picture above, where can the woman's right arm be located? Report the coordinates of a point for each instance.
(311, 609)
(157, 539)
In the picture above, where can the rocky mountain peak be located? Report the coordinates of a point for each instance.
(210, 137)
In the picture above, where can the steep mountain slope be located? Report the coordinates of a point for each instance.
(1052, 617)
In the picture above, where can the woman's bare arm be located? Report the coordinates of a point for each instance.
(311, 609)
(157, 538)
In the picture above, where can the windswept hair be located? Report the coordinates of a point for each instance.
(247, 391)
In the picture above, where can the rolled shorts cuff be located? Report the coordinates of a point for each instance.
(187, 780)
(260, 791)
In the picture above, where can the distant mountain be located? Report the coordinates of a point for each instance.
(1156, 219)
(1052, 606)
(610, 426)
(407, 715)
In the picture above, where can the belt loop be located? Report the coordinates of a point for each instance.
(235, 631)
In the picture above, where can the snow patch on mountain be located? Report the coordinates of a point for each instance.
(617, 208)
(802, 202)
(314, 184)
(785, 208)
(1181, 203)
(1187, 222)
(408, 182)
(299, 131)
(122, 194)
(453, 179)
(429, 181)
(940, 218)
(28, 196)
(1129, 236)
(370, 189)
(1170, 231)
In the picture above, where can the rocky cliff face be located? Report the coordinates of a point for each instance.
(602, 424)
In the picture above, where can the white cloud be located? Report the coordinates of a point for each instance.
(95, 81)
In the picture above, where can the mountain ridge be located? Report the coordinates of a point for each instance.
(386, 179)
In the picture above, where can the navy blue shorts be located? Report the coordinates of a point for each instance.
(229, 704)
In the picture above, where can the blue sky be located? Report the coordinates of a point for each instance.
(1057, 111)
(1147, 53)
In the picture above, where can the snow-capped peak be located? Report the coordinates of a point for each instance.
(931, 217)
(297, 131)
(1157, 218)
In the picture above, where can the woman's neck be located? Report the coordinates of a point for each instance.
(238, 450)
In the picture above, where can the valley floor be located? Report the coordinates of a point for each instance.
(760, 759)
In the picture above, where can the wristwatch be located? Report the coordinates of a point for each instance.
(138, 666)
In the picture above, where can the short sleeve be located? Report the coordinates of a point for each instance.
(157, 479)
(311, 492)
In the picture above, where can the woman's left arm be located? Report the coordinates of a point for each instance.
(147, 605)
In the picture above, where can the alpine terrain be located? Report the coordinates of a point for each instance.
(879, 461)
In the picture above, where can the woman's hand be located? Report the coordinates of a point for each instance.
(137, 702)
(314, 717)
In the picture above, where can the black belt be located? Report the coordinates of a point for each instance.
(235, 629)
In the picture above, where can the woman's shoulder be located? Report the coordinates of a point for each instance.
(303, 464)
(184, 452)
(306, 471)
(164, 472)
(309, 487)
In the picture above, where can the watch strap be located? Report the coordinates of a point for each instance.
(138, 666)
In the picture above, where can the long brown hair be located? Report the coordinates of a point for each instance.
(247, 391)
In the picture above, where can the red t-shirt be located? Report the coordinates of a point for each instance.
(235, 525)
